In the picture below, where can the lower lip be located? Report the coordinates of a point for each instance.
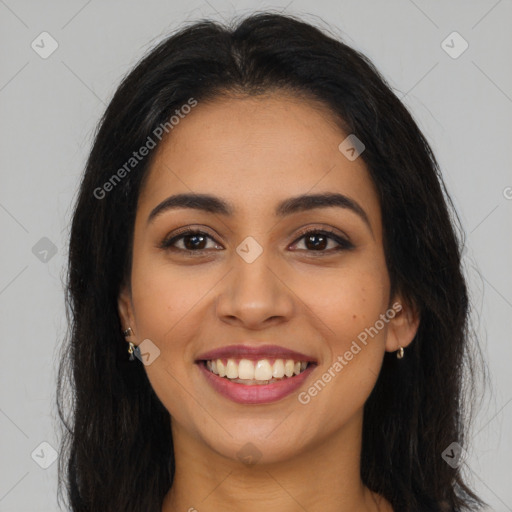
(257, 393)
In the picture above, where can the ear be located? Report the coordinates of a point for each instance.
(125, 308)
(403, 326)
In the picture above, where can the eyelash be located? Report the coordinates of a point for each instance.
(344, 244)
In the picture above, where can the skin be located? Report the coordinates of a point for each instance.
(255, 152)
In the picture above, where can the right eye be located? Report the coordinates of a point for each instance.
(192, 241)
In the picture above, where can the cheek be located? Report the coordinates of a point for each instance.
(163, 302)
(348, 300)
(349, 305)
(164, 296)
(157, 308)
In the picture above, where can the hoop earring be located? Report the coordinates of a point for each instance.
(400, 352)
(131, 346)
(131, 349)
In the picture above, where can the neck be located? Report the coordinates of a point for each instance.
(324, 477)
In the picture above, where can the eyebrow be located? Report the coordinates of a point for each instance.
(213, 204)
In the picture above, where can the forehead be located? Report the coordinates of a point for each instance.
(255, 151)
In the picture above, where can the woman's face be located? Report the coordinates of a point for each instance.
(251, 278)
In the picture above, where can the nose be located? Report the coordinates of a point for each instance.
(255, 295)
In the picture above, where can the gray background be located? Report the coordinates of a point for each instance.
(50, 107)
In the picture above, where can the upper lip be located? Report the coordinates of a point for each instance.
(254, 352)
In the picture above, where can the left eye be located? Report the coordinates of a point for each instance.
(318, 240)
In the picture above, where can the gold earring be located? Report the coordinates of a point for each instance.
(131, 348)
(400, 352)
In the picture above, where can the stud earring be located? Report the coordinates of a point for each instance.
(400, 352)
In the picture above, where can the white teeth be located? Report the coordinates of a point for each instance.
(260, 370)
(231, 369)
(221, 369)
(214, 366)
(278, 369)
(245, 369)
(263, 370)
(288, 367)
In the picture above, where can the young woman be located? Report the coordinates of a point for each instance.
(262, 224)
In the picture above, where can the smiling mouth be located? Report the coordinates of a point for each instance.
(257, 372)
